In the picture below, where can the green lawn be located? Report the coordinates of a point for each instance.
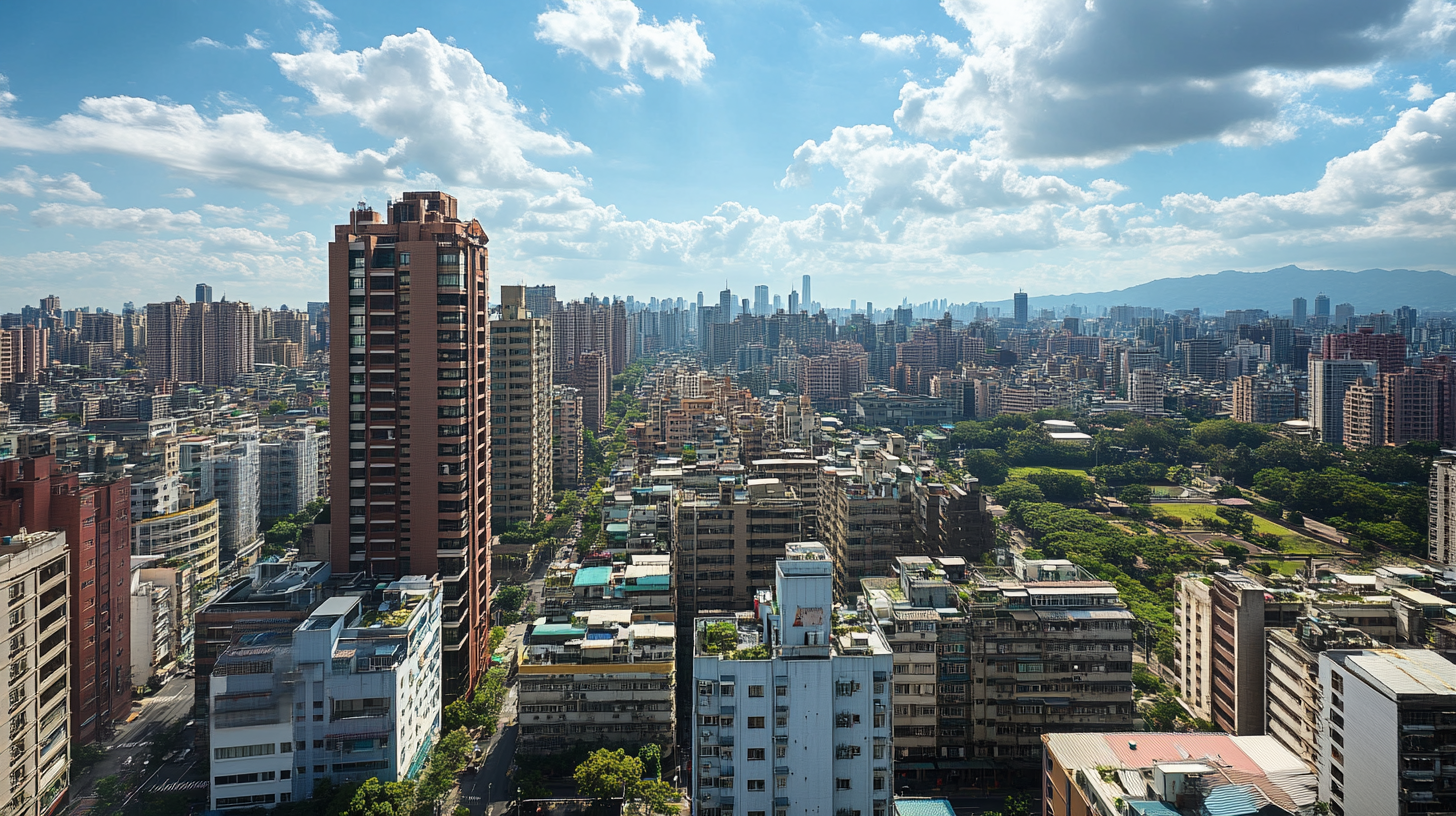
(1020, 472)
(1292, 543)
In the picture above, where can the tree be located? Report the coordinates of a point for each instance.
(1228, 490)
(277, 407)
(608, 775)
(1180, 474)
(1235, 553)
(1164, 713)
(1015, 490)
(1136, 494)
(651, 756)
(109, 791)
(1061, 486)
(376, 798)
(497, 635)
(509, 597)
(447, 758)
(987, 466)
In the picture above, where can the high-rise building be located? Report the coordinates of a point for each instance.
(541, 300)
(807, 720)
(1201, 357)
(1442, 517)
(565, 437)
(1328, 381)
(93, 517)
(1322, 305)
(1019, 303)
(231, 474)
(1264, 401)
(1364, 415)
(204, 293)
(1298, 314)
(288, 475)
(760, 300)
(1414, 403)
(1220, 650)
(793, 302)
(807, 297)
(204, 343)
(436, 446)
(1387, 350)
(1293, 694)
(724, 542)
(1386, 731)
(33, 572)
(520, 395)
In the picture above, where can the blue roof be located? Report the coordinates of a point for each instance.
(598, 635)
(557, 630)
(1151, 808)
(1231, 800)
(922, 807)
(592, 576)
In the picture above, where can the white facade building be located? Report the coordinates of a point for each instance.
(231, 475)
(352, 693)
(289, 477)
(1442, 493)
(1328, 381)
(800, 722)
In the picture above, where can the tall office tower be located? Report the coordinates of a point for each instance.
(94, 521)
(1201, 357)
(445, 464)
(288, 475)
(29, 353)
(1322, 305)
(793, 302)
(760, 300)
(1328, 381)
(725, 306)
(1344, 316)
(1281, 342)
(809, 721)
(1298, 315)
(541, 300)
(1020, 304)
(1387, 350)
(33, 571)
(1364, 415)
(593, 379)
(778, 303)
(520, 397)
(1220, 650)
(1385, 731)
(1414, 404)
(204, 293)
(1264, 401)
(807, 297)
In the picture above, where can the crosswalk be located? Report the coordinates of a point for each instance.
(127, 745)
(176, 787)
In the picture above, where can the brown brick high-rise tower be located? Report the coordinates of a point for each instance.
(410, 385)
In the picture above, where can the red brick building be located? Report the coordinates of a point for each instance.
(96, 518)
(1387, 350)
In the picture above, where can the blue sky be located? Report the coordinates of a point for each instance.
(962, 150)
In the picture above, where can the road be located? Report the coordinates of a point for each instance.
(491, 790)
(130, 745)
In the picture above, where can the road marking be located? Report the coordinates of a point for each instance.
(127, 745)
(175, 787)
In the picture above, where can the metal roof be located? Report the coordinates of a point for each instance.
(1233, 800)
(592, 576)
(922, 807)
(1404, 671)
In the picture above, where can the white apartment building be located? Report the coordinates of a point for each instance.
(353, 692)
(1442, 493)
(1388, 731)
(813, 736)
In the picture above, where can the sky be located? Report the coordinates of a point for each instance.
(959, 150)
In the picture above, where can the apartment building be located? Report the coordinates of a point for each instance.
(1328, 381)
(200, 342)
(33, 568)
(1415, 402)
(815, 730)
(1294, 697)
(726, 542)
(1387, 351)
(1441, 497)
(951, 519)
(1388, 726)
(864, 519)
(800, 473)
(1365, 415)
(346, 696)
(643, 583)
(1264, 401)
(565, 438)
(412, 295)
(230, 473)
(603, 677)
(520, 394)
(288, 476)
(189, 536)
(1220, 649)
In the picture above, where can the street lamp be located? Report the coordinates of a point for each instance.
(489, 797)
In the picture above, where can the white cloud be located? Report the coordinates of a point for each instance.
(180, 192)
(25, 181)
(898, 44)
(947, 49)
(610, 34)
(466, 130)
(1420, 92)
(313, 7)
(132, 219)
(251, 42)
(10, 208)
(1067, 81)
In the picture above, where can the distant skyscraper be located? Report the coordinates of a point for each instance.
(1322, 305)
(793, 302)
(808, 296)
(1020, 304)
(204, 293)
(760, 300)
(725, 306)
(1328, 382)
(1298, 315)
(540, 301)
(853, 305)
(778, 302)
(441, 439)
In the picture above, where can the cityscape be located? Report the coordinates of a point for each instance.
(1081, 454)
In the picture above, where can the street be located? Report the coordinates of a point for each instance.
(129, 748)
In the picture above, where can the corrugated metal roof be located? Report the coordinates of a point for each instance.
(1233, 800)
(1152, 808)
(1082, 750)
(1406, 671)
(923, 807)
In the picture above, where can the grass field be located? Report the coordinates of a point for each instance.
(1020, 472)
(1291, 542)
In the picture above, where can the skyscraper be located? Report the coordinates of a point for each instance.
(793, 302)
(1322, 305)
(445, 465)
(1019, 301)
(204, 343)
(1298, 314)
(540, 301)
(807, 296)
(725, 306)
(520, 354)
(1328, 381)
(204, 293)
(760, 300)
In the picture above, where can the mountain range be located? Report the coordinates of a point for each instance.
(1370, 290)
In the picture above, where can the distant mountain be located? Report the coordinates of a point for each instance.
(1372, 290)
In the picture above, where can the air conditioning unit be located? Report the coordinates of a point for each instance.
(707, 734)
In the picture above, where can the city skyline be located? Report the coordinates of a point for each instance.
(886, 169)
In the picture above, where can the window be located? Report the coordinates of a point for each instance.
(1337, 682)
(781, 691)
(755, 754)
(781, 782)
(726, 689)
(841, 784)
(755, 722)
(781, 751)
(755, 691)
(241, 751)
(755, 784)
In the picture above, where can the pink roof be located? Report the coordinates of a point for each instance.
(1152, 748)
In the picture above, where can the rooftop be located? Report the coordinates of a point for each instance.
(1402, 671)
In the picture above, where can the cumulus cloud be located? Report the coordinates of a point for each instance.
(25, 181)
(180, 192)
(1420, 92)
(898, 44)
(1076, 81)
(611, 34)
(312, 7)
(883, 173)
(465, 130)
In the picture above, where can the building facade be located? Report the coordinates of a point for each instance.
(520, 393)
(1220, 650)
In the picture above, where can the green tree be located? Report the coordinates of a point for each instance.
(1136, 494)
(277, 407)
(987, 466)
(1018, 490)
(109, 792)
(1164, 713)
(447, 758)
(1061, 486)
(376, 798)
(497, 636)
(651, 756)
(608, 775)
(1180, 474)
(509, 597)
